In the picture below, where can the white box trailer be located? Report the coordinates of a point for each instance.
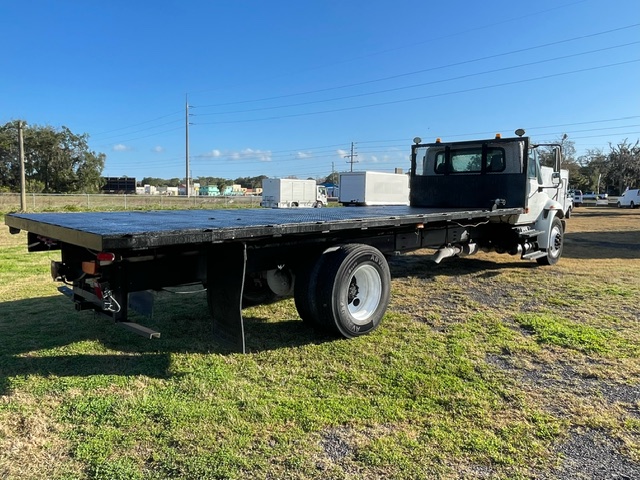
(292, 192)
(374, 188)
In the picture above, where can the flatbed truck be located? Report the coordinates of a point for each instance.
(465, 196)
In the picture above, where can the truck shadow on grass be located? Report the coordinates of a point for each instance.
(41, 336)
(422, 267)
(599, 245)
(46, 337)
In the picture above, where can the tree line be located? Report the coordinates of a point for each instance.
(611, 171)
(56, 160)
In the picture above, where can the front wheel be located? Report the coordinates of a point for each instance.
(556, 243)
(353, 289)
(632, 205)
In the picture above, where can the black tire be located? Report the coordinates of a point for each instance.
(556, 244)
(304, 290)
(632, 205)
(568, 214)
(353, 289)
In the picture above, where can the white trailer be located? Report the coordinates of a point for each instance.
(292, 192)
(374, 188)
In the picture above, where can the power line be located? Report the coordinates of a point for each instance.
(425, 97)
(142, 130)
(138, 138)
(402, 47)
(533, 128)
(384, 91)
(430, 69)
(433, 82)
(135, 124)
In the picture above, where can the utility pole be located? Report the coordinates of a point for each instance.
(186, 127)
(351, 157)
(23, 182)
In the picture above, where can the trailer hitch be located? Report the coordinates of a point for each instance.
(104, 294)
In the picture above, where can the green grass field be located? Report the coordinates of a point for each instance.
(483, 367)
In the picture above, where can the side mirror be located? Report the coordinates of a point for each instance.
(557, 160)
(555, 179)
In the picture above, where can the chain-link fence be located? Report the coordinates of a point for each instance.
(37, 202)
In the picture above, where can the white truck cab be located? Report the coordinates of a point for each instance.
(497, 173)
(505, 172)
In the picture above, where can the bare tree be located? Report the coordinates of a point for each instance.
(624, 164)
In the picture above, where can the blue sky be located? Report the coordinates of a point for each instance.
(283, 87)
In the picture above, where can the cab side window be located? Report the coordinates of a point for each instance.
(495, 160)
(440, 165)
(533, 162)
(533, 170)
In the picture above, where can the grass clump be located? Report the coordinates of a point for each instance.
(555, 330)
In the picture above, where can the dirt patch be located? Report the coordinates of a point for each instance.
(592, 454)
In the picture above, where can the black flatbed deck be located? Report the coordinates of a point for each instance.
(104, 231)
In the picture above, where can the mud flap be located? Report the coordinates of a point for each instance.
(226, 268)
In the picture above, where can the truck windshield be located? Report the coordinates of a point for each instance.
(469, 160)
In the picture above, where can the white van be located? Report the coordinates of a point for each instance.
(630, 198)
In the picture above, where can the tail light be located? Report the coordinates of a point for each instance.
(105, 258)
(102, 259)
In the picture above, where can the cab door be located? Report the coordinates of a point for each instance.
(536, 197)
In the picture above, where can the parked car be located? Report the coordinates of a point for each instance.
(594, 196)
(577, 197)
(630, 198)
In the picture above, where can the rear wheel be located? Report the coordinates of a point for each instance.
(556, 243)
(353, 289)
